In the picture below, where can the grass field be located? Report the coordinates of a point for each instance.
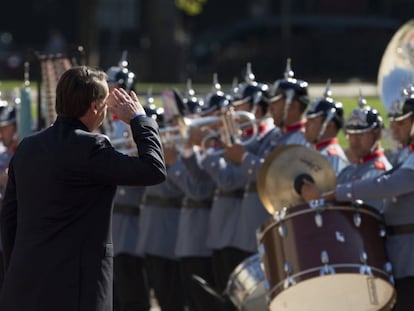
(12, 87)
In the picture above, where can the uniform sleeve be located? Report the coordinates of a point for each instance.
(8, 217)
(398, 183)
(225, 174)
(194, 186)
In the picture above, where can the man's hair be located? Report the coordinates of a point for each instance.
(77, 88)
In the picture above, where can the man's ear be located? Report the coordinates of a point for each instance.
(94, 106)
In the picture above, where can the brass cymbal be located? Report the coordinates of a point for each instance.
(285, 166)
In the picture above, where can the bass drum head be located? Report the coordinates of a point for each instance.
(339, 292)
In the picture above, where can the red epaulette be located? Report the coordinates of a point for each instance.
(332, 151)
(379, 165)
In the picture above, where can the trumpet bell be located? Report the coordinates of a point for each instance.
(397, 65)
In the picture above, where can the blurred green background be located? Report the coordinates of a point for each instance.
(10, 89)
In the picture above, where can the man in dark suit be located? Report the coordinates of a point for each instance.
(56, 212)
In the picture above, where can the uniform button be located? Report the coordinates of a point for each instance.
(253, 162)
(394, 199)
(213, 164)
(177, 173)
(250, 171)
(349, 195)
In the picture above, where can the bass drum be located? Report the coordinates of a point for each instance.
(326, 257)
(246, 285)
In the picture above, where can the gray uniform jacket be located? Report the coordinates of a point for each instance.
(398, 190)
(334, 153)
(399, 156)
(373, 165)
(226, 201)
(160, 214)
(253, 213)
(125, 220)
(195, 211)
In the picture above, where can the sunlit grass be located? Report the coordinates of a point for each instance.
(12, 87)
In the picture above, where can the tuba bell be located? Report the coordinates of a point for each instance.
(396, 70)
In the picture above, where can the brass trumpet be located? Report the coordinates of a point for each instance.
(231, 127)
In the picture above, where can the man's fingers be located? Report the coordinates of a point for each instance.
(134, 96)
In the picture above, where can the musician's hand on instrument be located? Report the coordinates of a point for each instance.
(309, 191)
(124, 105)
(170, 154)
(234, 153)
(195, 136)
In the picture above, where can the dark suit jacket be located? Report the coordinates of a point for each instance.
(56, 214)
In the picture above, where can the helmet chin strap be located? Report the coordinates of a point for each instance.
(289, 97)
(330, 115)
(375, 145)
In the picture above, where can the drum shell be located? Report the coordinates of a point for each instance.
(296, 244)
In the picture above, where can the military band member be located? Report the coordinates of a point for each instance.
(159, 218)
(223, 212)
(131, 288)
(191, 247)
(324, 120)
(401, 126)
(396, 188)
(364, 131)
(287, 104)
(254, 97)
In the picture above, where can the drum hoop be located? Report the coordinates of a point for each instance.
(321, 210)
(302, 273)
(245, 263)
(240, 268)
(249, 290)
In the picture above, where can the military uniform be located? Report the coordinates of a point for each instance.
(252, 212)
(397, 157)
(332, 151)
(130, 283)
(373, 165)
(195, 258)
(396, 189)
(160, 214)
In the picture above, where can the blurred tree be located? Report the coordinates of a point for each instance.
(190, 7)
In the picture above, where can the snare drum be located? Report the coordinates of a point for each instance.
(329, 256)
(245, 286)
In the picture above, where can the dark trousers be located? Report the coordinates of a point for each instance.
(131, 291)
(405, 292)
(225, 260)
(164, 277)
(197, 297)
